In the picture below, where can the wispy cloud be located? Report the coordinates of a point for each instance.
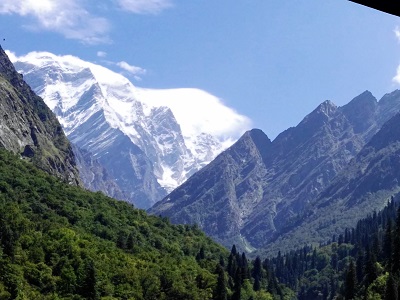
(397, 33)
(396, 78)
(101, 54)
(75, 20)
(144, 6)
(132, 70)
(67, 17)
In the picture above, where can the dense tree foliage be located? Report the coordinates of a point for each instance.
(61, 242)
(361, 263)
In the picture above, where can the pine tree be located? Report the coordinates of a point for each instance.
(122, 240)
(257, 273)
(360, 262)
(391, 292)
(232, 265)
(221, 261)
(350, 284)
(245, 267)
(130, 242)
(201, 255)
(89, 283)
(220, 292)
(233, 250)
(388, 244)
(371, 271)
(333, 288)
(237, 288)
(314, 259)
(396, 246)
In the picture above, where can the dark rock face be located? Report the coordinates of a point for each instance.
(94, 176)
(365, 185)
(29, 128)
(221, 196)
(262, 191)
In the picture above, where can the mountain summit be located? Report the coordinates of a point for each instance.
(149, 141)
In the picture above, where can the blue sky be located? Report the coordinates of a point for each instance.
(271, 60)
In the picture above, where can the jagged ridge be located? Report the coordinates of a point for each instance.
(29, 128)
(286, 178)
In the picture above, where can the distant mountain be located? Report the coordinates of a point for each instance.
(30, 129)
(258, 192)
(148, 141)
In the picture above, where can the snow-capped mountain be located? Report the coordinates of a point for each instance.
(150, 141)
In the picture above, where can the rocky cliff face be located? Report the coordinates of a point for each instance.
(365, 185)
(222, 196)
(290, 173)
(94, 176)
(29, 128)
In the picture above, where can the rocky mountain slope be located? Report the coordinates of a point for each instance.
(94, 176)
(266, 189)
(364, 186)
(143, 138)
(29, 128)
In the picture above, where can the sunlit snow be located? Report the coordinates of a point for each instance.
(75, 90)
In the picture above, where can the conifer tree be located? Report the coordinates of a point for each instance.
(314, 259)
(257, 273)
(371, 271)
(233, 250)
(244, 267)
(237, 288)
(232, 262)
(350, 283)
(89, 283)
(221, 261)
(201, 255)
(391, 292)
(388, 244)
(396, 246)
(220, 292)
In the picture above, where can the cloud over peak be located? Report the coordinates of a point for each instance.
(134, 70)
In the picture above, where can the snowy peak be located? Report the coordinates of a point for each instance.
(178, 130)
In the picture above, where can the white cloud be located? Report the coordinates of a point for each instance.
(144, 6)
(11, 56)
(67, 17)
(397, 33)
(131, 69)
(101, 54)
(198, 112)
(396, 78)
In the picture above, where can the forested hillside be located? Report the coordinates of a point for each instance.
(361, 263)
(61, 242)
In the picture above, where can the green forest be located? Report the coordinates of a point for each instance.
(62, 242)
(361, 263)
